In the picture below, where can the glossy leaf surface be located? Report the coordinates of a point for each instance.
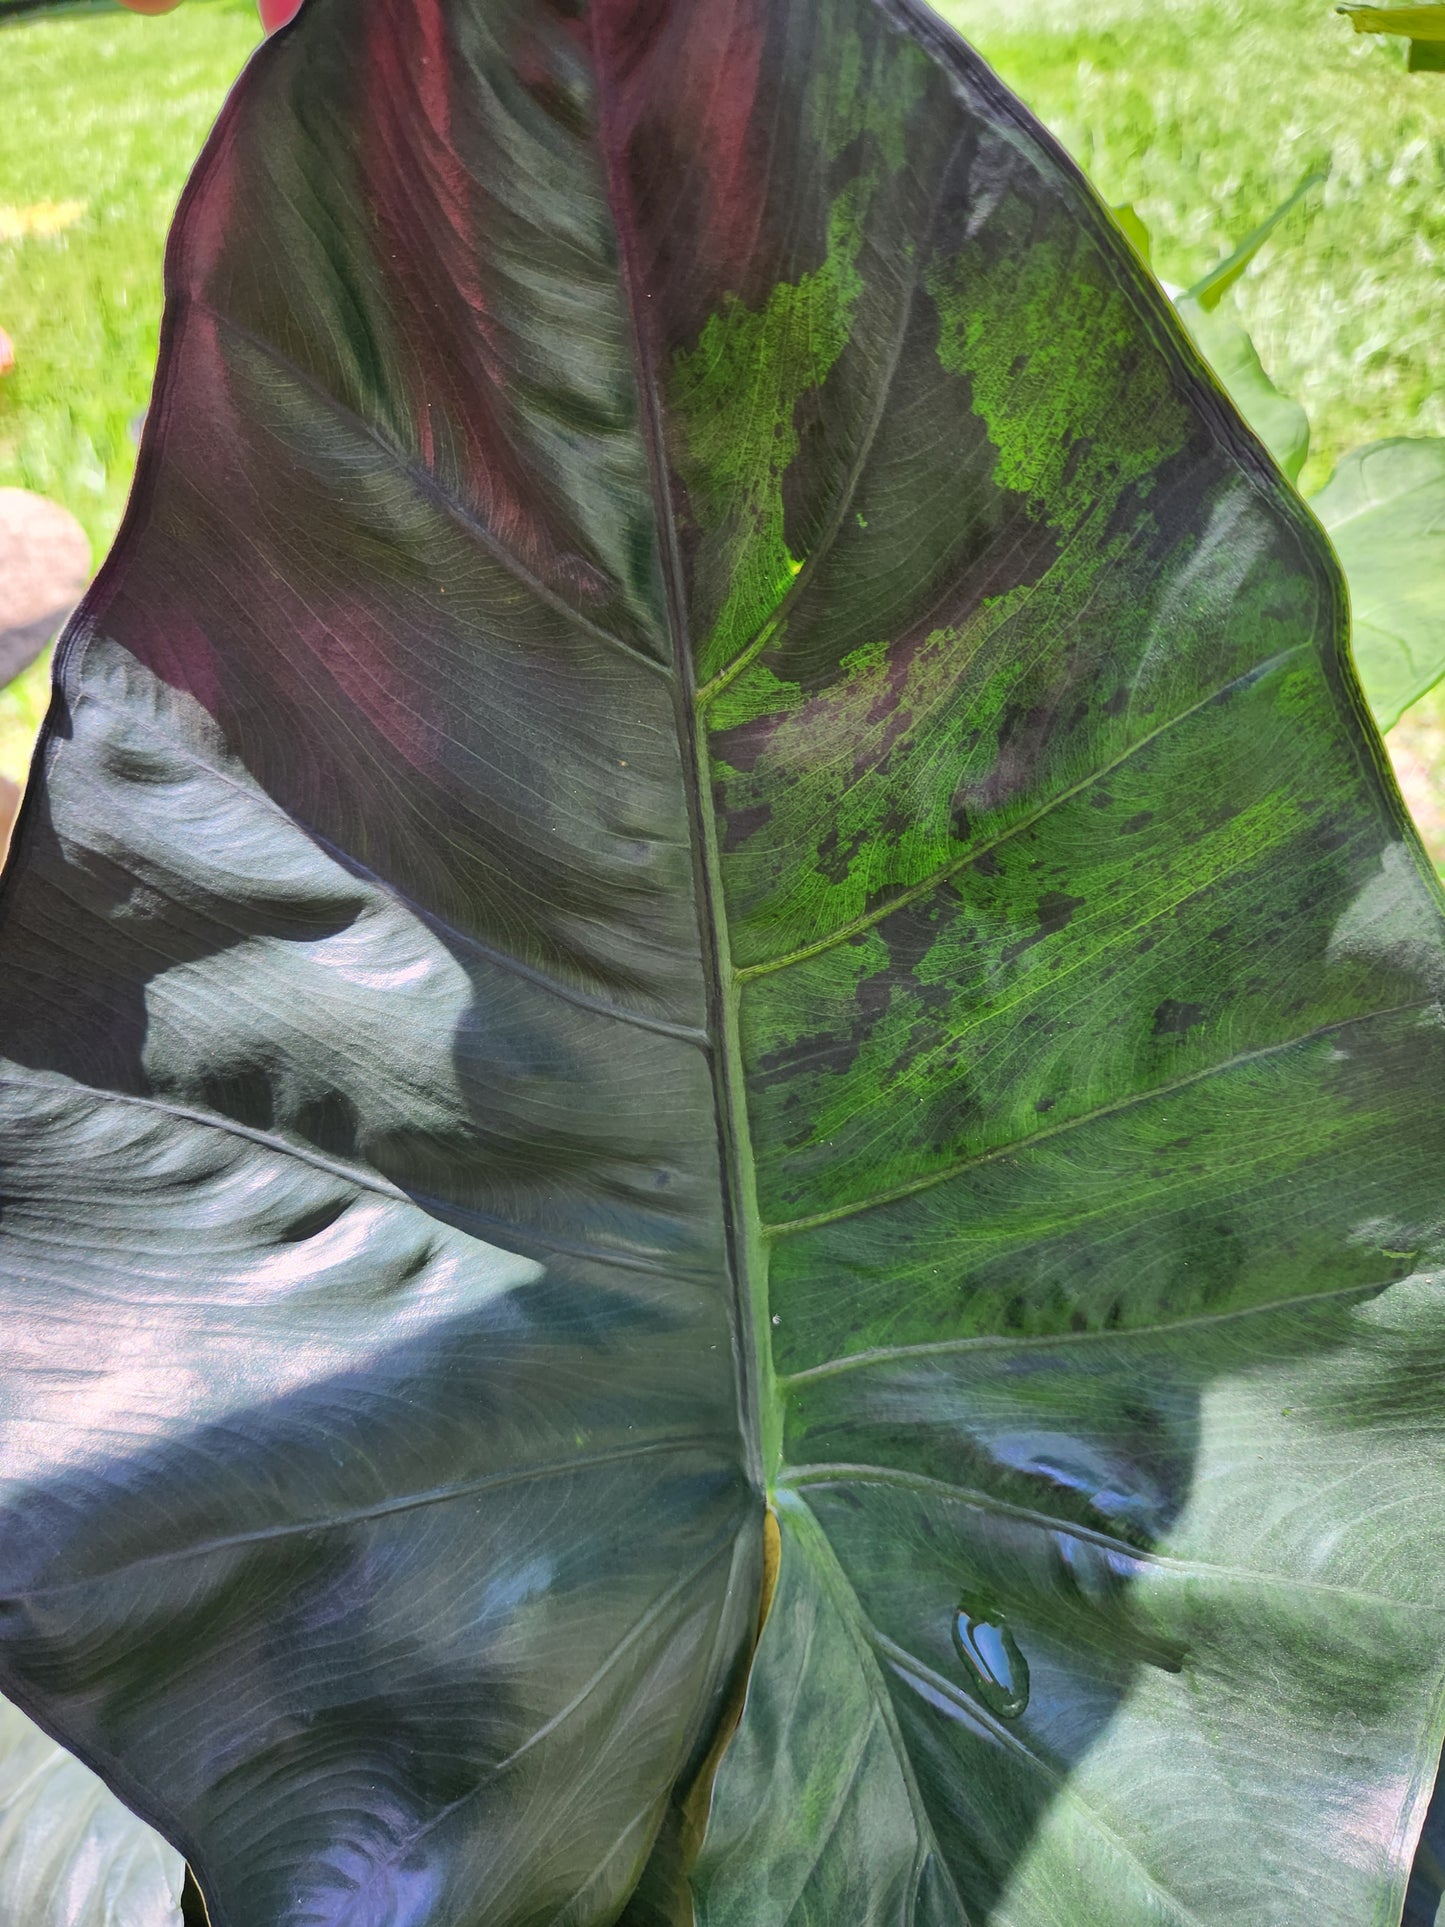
(709, 838)
(1384, 509)
(70, 1853)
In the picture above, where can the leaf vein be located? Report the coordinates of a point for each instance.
(798, 1478)
(996, 1342)
(904, 1661)
(790, 1227)
(558, 1719)
(428, 484)
(848, 494)
(450, 932)
(360, 1515)
(975, 850)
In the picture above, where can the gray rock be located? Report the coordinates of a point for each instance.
(44, 567)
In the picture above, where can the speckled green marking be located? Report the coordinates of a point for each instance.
(843, 797)
(735, 394)
(1077, 405)
(868, 91)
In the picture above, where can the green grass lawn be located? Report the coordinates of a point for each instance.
(105, 112)
(1202, 113)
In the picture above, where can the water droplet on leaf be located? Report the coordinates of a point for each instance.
(998, 1673)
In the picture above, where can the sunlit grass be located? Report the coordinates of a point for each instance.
(101, 117)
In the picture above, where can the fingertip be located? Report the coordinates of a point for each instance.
(276, 13)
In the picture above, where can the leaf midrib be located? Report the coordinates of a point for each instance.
(759, 1416)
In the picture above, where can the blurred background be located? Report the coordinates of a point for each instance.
(1201, 115)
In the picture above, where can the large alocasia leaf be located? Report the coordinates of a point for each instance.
(709, 839)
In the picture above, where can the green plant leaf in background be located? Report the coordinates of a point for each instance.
(1211, 288)
(1424, 22)
(710, 843)
(1384, 510)
(70, 1854)
(1136, 229)
(1424, 26)
(1280, 423)
(1384, 506)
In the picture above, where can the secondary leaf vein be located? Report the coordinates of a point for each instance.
(792, 1226)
